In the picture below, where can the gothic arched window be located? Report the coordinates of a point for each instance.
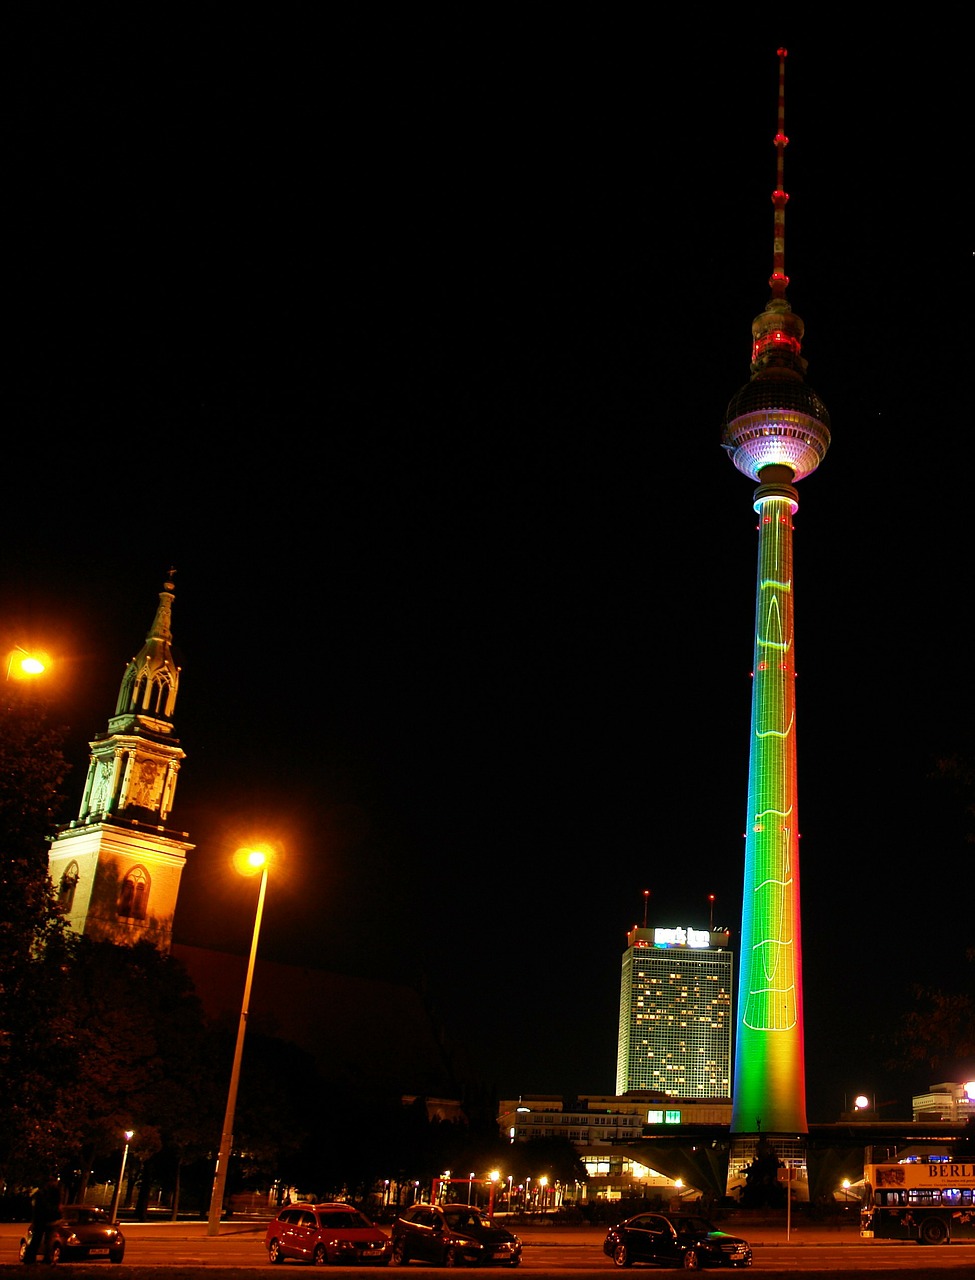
(133, 896)
(66, 887)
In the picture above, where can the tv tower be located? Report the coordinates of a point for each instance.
(777, 432)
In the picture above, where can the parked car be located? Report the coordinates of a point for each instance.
(452, 1235)
(84, 1231)
(323, 1233)
(675, 1240)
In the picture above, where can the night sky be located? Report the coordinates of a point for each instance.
(407, 340)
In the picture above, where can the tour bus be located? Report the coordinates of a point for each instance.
(930, 1201)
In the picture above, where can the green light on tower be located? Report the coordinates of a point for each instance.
(777, 432)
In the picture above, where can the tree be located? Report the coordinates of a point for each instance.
(938, 1033)
(36, 1029)
(145, 1058)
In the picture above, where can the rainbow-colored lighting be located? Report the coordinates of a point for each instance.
(769, 1091)
(776, 432)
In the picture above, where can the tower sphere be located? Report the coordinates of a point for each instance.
(776, 421)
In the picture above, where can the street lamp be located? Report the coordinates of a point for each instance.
(494, 1176)
(113, 1212)
(247, 862)
(23, 665)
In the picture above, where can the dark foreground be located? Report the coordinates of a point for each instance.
(184, 1252)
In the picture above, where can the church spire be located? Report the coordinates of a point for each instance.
(147, 696)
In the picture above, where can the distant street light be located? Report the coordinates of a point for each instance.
(113, 1212)
(494, 1175)
(846, 1190)
(248, 862)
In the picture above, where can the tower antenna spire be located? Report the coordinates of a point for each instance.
(778, 281)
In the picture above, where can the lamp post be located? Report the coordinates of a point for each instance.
(494, 1176)
(248, 862)
(113, 1212)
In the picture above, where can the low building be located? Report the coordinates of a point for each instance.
(600, 1125)
(952, 1102)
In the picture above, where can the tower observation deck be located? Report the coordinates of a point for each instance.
(776, 431)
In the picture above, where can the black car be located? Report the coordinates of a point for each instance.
(452, 1235)
(84, 1231)
(675, 1240)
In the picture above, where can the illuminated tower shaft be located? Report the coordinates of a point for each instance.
(769, 1092)
(777, 432)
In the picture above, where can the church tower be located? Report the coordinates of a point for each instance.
(117, 866)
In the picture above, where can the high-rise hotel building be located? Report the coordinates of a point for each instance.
(675, 1013)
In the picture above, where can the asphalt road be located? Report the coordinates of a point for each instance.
(187, 1252)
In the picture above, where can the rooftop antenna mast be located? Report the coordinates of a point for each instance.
(646, 900)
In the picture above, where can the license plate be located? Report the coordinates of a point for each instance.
(93, 1253)
(500, 1253)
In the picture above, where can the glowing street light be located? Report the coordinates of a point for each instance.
(248, 862)
(113, 1212)
(494, 1176)
(24, 665)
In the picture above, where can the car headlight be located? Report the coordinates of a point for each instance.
(72, 1239)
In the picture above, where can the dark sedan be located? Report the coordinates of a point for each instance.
(84, 1232)
(675, 1240)
(452, 1235)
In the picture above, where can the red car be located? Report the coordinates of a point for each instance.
(325, 1233)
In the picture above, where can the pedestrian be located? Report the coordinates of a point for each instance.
(45, 1213)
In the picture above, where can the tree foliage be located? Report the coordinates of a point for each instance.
(938, 1033)
(144, 1055)
(36, 1031)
